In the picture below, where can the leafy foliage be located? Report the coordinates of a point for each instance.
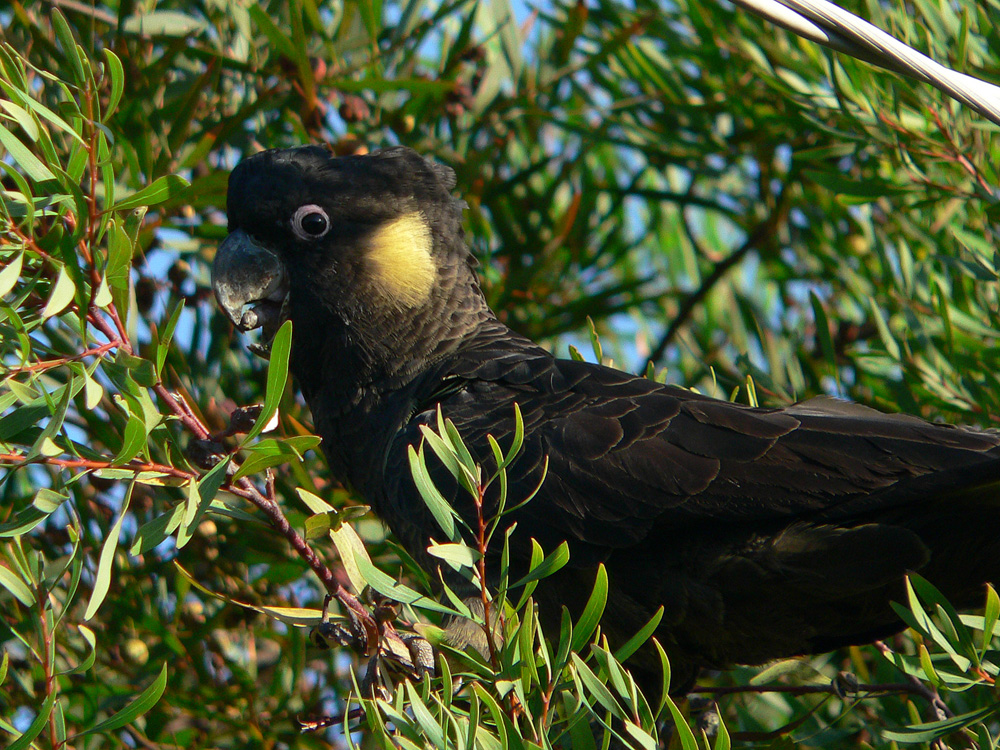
(698, 188)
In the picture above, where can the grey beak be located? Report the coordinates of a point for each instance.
(247, 273)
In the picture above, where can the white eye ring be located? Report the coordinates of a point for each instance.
(310, 222)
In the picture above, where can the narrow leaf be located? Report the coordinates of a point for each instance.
(37, 725)
(102, 580)
(933, 730)
(23, 157)
(635, 642)
(596, 688)
(592, 612)
(386, 586)
(443, 513)
(277, 377)
(350, 548)
(145, 701)
(10, 581)
(116, 73)
(549, 565)
(156, 192)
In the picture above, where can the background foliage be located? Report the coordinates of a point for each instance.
(714, 194)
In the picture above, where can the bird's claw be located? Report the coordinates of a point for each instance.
(361, 633)
(372, 634)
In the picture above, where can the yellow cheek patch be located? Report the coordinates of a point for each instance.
(402, 265)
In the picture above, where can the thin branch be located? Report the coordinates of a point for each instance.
(17, 460)
(941, 711)
(47, 364)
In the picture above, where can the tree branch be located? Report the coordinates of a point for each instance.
(757, 235)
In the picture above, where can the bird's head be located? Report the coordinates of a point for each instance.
(361, 249)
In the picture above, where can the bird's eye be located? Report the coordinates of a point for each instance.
(310, 222)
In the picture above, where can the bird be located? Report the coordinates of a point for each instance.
(762, 533)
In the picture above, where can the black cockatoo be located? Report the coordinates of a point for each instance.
(763, 533)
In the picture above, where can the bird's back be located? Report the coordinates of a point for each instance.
(762, 532)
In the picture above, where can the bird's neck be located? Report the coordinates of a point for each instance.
(354, 346)
(359, 366)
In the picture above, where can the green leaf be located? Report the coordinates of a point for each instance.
(933, 730)
(268, 453)
(596, 688)
(948, 616)
(10, 581)
(868, 188)
(398, 592)
(314, 502)
(458, 556)
(443, 513)
(928, 666)
(143, 702)
(683, 729)
(635, 642)
(891, 346)
(61, 294)
(423, 716)
(161, 189)
(277, 377)
(990, 616)
(102, 296)
(68, 43)
(665, 684)
(555, 561)
(164, 337)
(441, 448)
(722, 738)
(200, 499)
(23, 157)
(46, 501)
(793, 666)
(37, 725)
(93, 391)
(592, 612)
(119, 256)
(116, 73)
(44, 444)
(465, 458)
(351, 549)
(823, 330)
(152, 533)
(278, 39)
(91, 657)
(102, 579)
(644, 739)
(133, 441)
(595, 341)
(10, 273)
(168, 23)
(24, 119)
(296, 616)
(509, 737)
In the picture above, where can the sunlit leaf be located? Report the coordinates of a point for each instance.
(61, 294)
(161, 189)
(102, 578)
